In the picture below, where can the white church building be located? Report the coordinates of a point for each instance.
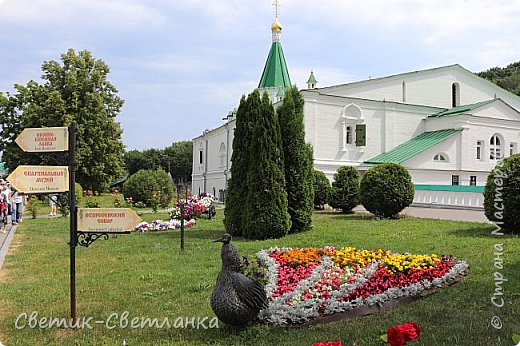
(445, 125)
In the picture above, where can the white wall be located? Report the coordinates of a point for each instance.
(211, 175)
(428, 87)
(449, 198)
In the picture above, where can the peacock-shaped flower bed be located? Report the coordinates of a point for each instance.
(303, 284)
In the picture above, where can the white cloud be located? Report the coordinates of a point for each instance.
(174, 62)
(89, 13)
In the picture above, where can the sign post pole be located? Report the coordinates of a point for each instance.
(73, 221)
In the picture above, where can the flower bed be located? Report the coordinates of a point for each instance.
(303, 284)
(159, 225)
(194, 207)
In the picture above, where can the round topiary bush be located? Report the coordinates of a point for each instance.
(344, 194)
(386, 190)
(321, 190)
(149, 187)
(502, 194)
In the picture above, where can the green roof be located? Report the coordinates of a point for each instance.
(275, 71)
(413, 147)
(119, 181)
(460, 109)
(312, 79)
(454, 188)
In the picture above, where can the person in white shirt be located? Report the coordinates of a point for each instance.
(53, 200)
(18, 203)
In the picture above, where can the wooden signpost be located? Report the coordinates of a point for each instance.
(40, 179)
(93, 222)
(39, 140)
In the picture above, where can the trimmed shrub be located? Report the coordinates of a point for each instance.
(265, 209)
(146, 184)
(297, 159)
(386, 190)
(321, 190)
(237, 185)
(344, 193)
(502, 194)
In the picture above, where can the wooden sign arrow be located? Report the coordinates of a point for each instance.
(40, 179)
(46, 139)
(107, 220)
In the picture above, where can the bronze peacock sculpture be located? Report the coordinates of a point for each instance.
(236, 299)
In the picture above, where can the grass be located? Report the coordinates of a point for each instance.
(149, 276)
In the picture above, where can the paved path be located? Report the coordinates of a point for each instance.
(442, 213)
(5, 241)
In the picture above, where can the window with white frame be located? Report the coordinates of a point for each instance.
(512, 149)
(348, 135)
(455, 94)
(440, 158)
(473, 180)
(495, 147)
(455, 180)
(353, 128)
(480, 145)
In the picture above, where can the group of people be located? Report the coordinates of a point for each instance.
(11, 205)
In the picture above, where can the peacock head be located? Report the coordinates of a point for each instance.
(226, 238)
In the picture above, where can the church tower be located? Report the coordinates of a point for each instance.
(275, 77)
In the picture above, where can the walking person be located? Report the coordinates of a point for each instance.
(18, 204)
(3, 208)
(53, 200)
(6, 190)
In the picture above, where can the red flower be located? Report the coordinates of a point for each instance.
(399, 335)
(328, 343)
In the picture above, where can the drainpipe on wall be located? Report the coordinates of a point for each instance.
(205, 165)
(227, 158)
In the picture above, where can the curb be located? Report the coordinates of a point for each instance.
(4, 247)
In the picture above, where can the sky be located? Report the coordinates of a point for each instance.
(182, 65)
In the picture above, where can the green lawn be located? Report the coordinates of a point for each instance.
(148, 276)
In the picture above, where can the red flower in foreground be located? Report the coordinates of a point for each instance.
(399, 335)
(328, 343)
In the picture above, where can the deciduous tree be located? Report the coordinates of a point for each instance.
(75, 90)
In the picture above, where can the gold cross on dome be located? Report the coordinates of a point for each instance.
(276, 5)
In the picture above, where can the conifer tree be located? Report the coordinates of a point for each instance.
(266, 214)
(237, 184)
(299, 170)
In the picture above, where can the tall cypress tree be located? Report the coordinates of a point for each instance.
(298, 163)
(237, 184)
(266, 214)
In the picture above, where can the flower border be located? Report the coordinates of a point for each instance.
(283, 311)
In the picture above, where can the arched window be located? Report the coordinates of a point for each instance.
(222, 155)
(440, 158)
(495, 148)
(352, 121)
(455, 94)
